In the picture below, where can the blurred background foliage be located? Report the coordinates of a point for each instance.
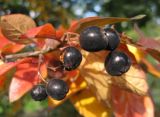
(62, 12)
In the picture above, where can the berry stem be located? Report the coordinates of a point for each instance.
(40, 61)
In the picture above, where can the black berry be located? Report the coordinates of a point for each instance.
(38, 93)
(117, 63)
(71, 58)
(57, 89)
(113, 38)
(93, 39)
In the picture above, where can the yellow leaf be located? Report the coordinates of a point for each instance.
(88, 106)
(137, 53)
(92, 69)
(134, 80)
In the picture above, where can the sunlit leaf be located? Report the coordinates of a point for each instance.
(127, 104)
(137, 52)
(24, 78)
(87, 105)
(13, 26)
(92, 69)
(134, 80)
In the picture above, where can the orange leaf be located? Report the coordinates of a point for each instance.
(59, 32)
(44, 31)
(151, 68)
(25, 78)
(12, 48)
(127, 104)
(4, 41)
(7, 66)
(7, 46)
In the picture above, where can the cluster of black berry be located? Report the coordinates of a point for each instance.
(57, 88)
(94, 39)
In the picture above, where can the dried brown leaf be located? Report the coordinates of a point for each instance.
(13, 26)
(100, 21)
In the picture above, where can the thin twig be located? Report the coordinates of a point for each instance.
(27, 54)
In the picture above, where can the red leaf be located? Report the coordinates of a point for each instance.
(127, 104)
(148, 44)
(2, 82)
(24, 79)
(44, 31)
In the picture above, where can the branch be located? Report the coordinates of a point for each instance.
(50, 45)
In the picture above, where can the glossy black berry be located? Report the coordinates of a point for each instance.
(71, 58)
(57, 89)
(38, 93)
(93, 39)
(113, 38)
(117, 63)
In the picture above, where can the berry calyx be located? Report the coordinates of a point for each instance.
(93, 39)
(71, 58)
(38, 93)
(57, 89)
(117, 63)
(113, 38)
